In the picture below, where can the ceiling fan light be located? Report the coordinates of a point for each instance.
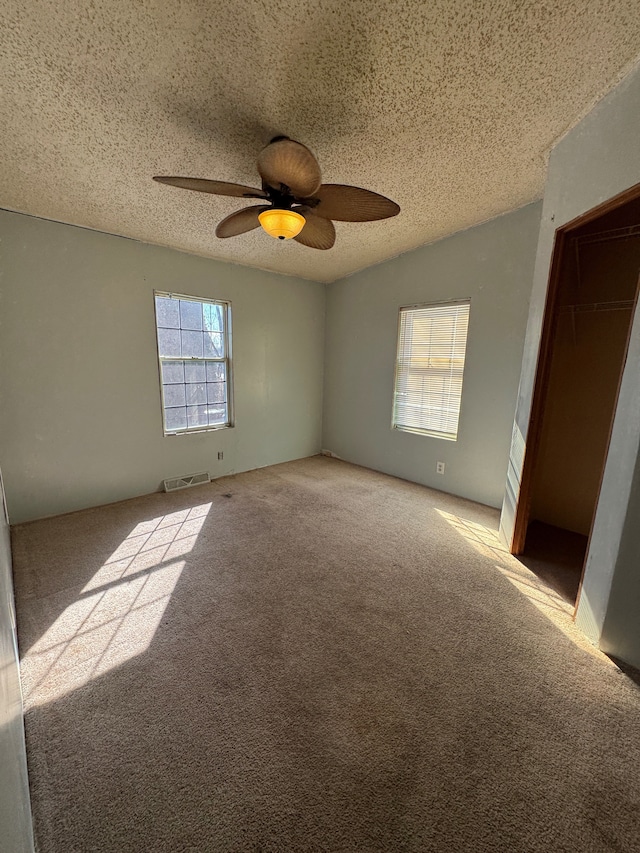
(283, 224)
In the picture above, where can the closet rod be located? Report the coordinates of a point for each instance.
(620, 305)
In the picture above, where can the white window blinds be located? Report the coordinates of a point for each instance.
(432, 340)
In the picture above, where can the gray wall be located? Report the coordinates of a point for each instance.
(493, 265)
(598, 159)
(81, 422)
(15, 814)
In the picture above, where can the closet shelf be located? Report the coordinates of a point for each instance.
(611, 234)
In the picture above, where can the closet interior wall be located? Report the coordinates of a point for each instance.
(592, 322)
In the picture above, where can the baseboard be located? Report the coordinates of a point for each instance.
(330, 453)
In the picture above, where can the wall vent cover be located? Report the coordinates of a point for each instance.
(184, 482)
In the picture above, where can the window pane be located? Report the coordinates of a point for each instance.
(216, 372)
(216, 392)
(197, 416)
(169, 342)
(196, 394)
(217, 415)
(213, 317)
(193, 354)
(213, 345)
(167, 313)
(191, 344)
(172, 372)
(175, 419)
(190, 315)
(174, 395)
(194, 371)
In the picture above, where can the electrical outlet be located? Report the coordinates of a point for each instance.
(439, 467)
(220, 454)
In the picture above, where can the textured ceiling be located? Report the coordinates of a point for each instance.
(447, 107)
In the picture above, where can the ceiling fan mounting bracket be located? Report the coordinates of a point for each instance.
(281, 198)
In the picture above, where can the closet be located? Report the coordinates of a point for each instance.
(592, 312)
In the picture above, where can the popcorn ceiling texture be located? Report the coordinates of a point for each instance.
(447, 107)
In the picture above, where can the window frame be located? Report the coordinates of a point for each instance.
(416, 430)
(227, 360)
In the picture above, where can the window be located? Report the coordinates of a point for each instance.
(428, 387)
(194, 355)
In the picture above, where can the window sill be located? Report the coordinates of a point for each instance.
(429, 433)
(198, 430)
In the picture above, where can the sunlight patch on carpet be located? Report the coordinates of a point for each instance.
(117, 613)
(487, 543)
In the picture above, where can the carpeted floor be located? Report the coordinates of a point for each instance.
(556, 556)
(312, 657)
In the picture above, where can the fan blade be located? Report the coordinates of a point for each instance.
(202, 185)
(317, 233)
(289, 163)
(241, 221)
(352, 204)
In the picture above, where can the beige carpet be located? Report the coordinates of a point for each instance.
(312, 657)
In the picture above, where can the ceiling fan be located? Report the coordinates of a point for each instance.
(299, 205)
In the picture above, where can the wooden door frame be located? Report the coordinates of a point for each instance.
(543, 368)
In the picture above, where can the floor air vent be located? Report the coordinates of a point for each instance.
(185, 482)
